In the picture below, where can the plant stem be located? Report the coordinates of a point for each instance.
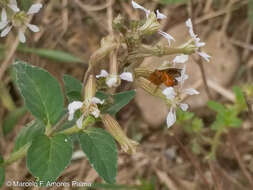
(17, 155)
(23, 150)
(215, 144)
(88, 120)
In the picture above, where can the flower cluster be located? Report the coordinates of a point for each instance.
(159, 16)
(86, 107)
(198, 44)
(112, 80)
(174, 94)
(11, 16)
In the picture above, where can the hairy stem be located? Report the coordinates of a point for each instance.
(17, 155)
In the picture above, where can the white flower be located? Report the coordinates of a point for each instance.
(112, 80)
(79, 122)
(183, 76)
(204, 55)
(181, 58)
(160, 15)
(4, 24)
(167, 36)
(35, 8)
(197, 41)
(13, 6)
(95, 113)
(175, 100)
(184, 107)
(127, 76)
(171, 117)
(169, 93)
(96, 100)
(137, 6)
(73, 107)
(90, 108)
(103, 73)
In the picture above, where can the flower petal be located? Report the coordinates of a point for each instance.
(204, 55)
(33, 28)
(181, 58)
(183, 76)
(127, 76)
(184, 107)
(191, 91)
(4, 15)
(111, 81)
(189, 25)
(79, 122)
(169, 93)
(14, 7)
(103, 73)
(21, 36)
(95, 113)
(35, 8)
(137, 6)
(72, 107)
(96, 100)
(6, 31)
(166, 35)
(160, 15)
(3, 25)
(171, 117)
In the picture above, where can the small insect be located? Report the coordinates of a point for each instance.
(165, 76)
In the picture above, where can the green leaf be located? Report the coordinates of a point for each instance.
(216, 106)
(184, 115)
(120, 100)
(55, 55)
(101, 150)
(197, 125)
(2, 172)
(219, 123)
(240, 99)
(12, 119)
(73, 88)
(41, 92)
(235, 122)
(48, 157)
(102, 95)
(28, 133)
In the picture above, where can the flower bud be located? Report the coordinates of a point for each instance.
(115, 130)
(90, 88)
(150, 26)
(142, 72)
(149, 87)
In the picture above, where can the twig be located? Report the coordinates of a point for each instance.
(250, 111)
(192, 160)
(203, 75)
(11, 52)
(8, 58)
(221, 90)
(216, 179)
(239, 160)
(219, 13)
